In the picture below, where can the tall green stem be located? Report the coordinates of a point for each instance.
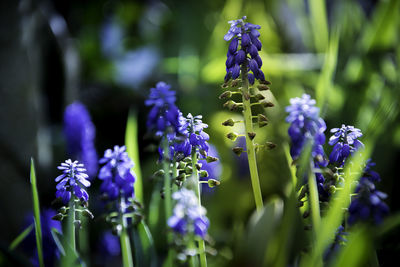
(251, 153)
(167, 184)
(72, 233)
(202, 246)
(314, 200)
(124, 238)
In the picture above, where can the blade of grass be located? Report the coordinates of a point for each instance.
(36, 214)
(55, 233)
(319, 23)
(14, 244)
(144, 246)
(132, 147)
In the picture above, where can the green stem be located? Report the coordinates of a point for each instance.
(251, 154)
(314, 200)
(124, 238)
(167, 185)
(202, 246)
(72, 237)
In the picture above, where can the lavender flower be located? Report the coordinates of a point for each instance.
(109, 245)
(306, 126)
(164, 115)
(346, 142)
(116, 173)
(247, 56)
(189, 216)
(195, 139)
(368, 203)
(80, 133)
(72, 181)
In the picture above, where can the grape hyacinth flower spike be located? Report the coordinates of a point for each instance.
(243, 69)
(72, 182)
(189, 218)
(345, 141)
(80, 133)
(118, 189)
(116, 174)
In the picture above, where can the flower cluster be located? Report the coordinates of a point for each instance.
(116, 173)
(368, 205)
(164, 115)
(192, 129)
(306, 126)
(72, 181)
(189, 216)
(80, 133)
(247, 54)
(346, 142)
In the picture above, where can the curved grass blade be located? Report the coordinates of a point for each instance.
(55, 233)
(132, 147)
(36, 214)
(144, 246)
(15, 243)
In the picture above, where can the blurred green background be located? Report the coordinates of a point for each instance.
(108, 54)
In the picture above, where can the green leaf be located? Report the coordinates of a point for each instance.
(55, 234)
(36, 214)
(20, 237)
(144, 246)
(132, 147)
(319, 23)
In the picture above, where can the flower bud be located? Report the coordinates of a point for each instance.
(203, 173)
(228, 122)
(210, 159)
(259, 97)
(187, 159)
(116, 230)
(237, 150)
(245, 40)
(251, 135)
(235, 82)
(181, 177)
(159, 173)
(267, 104)
(212, 183)
(62, 210)
(265, 82)
(181, 165)
(198, 166)
(188, 169)
(58, 217)
(87, 213)
(262, 120)
(332, 189)
(232, 136)
(225, 95)
(263, 87)
(270, 145)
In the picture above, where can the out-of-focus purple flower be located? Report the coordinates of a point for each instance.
(346, 142)
(305, 126)
(72, 181)
(109, 245)
(111, 37)
(214, 169)
(80, 133)
(188, 216)
(116, 173)
(50, 251)
(245, 55)
(242, 160)
(368, 205)
(164, 117)
(339, 241)
(134, 67)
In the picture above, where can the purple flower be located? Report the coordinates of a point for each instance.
(164, 115)
(248, 35)
(116, 173)
(72, 181)
(195, 139)
(346, 142)
(109, 245)
(80, 133)
(305, 126)
(188, 216)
